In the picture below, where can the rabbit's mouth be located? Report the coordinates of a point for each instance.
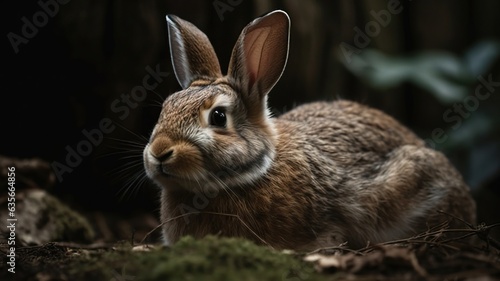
(194, 181)
(166, 178)
(176, 164)
(163, 171)
(190, 184)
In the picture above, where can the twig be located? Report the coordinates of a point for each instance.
(338, 248)
(457, 218)
(481, 231)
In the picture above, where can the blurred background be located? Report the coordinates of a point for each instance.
(83, 82)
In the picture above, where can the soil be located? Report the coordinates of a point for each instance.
(430, 256)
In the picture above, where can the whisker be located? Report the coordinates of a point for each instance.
(132, 186)
(158, 95)
(141, 137)
(124, 168)
(225, 187)
(123, 147)
(128, 142)
(126, 157)
(135, 153)
(155, 104)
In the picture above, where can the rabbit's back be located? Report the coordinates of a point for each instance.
(358, 126)
(372, 176)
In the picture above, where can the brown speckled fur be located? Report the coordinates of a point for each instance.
(319, 175)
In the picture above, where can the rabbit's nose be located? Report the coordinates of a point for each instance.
(163, 156)
(161, 148)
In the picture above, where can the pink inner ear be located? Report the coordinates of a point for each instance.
(254, 46)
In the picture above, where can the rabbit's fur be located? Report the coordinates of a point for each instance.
(319, 175)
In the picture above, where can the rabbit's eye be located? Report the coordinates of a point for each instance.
(218, 117)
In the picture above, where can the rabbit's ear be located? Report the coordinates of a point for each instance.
(193, 57)
(260, 54)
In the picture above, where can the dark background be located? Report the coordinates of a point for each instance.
(66, 77)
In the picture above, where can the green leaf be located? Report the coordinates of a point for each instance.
(481, 56)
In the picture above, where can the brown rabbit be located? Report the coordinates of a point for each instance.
(319, 175)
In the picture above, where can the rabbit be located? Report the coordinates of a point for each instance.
(322, 174)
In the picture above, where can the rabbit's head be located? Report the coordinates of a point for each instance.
(216, 132)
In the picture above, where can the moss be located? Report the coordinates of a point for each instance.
(222, 259)
(211, 258)
(69, 225)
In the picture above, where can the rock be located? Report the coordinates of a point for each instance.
(43, 218)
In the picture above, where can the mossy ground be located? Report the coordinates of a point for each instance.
(211, 258)
(215, 258)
